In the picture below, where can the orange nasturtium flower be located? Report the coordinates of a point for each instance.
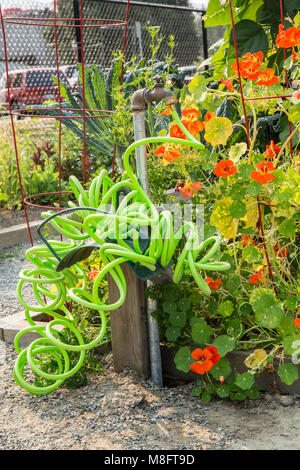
(175, 131)
(288, 38)
(205, 359)
(271, 151)
(168, 154)
(166, 112)
(213, 285)
(258, 277)
(263, 174)
(191, 122)
(297, 94)
(93, 273)
(225, 168)
(267, 77)
(297, 322)
(188, 189)
(249, 65)
(191, 113)
(228, 83)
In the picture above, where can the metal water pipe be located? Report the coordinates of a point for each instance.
(139, 102)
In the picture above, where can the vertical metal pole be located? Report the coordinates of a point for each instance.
(204, 39)
(76, 10)
(142, 173)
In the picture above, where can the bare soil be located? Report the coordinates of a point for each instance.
(11, 218)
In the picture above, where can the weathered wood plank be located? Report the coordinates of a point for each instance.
(129, 326)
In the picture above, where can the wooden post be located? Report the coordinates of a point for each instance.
(129, 330)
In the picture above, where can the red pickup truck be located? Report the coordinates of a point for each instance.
(30, 87)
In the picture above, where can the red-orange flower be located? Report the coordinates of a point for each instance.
(93, 273)
(175, 131)
(258, 277)
(249, 65)
(297, 322)
(263, 175)
(271, 151)
(288, 38)
(194, 127)
(171, 155)
(188, 189)
(166, 112)
(205, 359)
(213, 285)
(280, 252)
(191, 113)
(209, 115)
(246, 240)
(225, 168)
(228, 83)
(159, 152)
(267, 77)
(297, 94)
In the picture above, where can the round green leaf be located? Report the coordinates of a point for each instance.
(254, 188)
(268, 311)
(233, 283)
(250, 37)
(251, 254)
(237, 191)
(223, 391)
(226, 309)
(172, 333)
(169, 307)
(238, 209)
(286, 327)
(201, 332)
(288, 373)
(291, 344)
(221, 369)
(287, 228)
(245, 308)
(244, 381)
(184, 304)
(183, 359)
(224, 344)
(177, 319)
(245, 170)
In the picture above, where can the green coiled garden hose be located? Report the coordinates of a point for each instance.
(110, 229)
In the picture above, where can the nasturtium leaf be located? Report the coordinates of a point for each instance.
(218, 130)
(250, 37)
(244, 381)
(195, 297)
(257, 293)
(196, 392)
(197, 86)
(286, 327)
(223, 391)
(169, 306)
(253, 392)
(251, 254)
(287, 228)
(256, 359)
(201, 332)
(268, 311)
(237, 150)
(245, 170)
(206, 396)
(172, 333)
(288, 373)
(254, 188)
(245, 308)
(177, 318)
(224, 344)
(238, 209)
(184, 304)
(226, 308)
(209, 231)
(237, 191)
(251, 216)
(291, 345)
(222, 219)
(221, 369)
(291, 302)
(294, 114)
(233, 283)
(183, 359)
(284, 194)
(217, 14)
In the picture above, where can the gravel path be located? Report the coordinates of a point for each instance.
(122, 411)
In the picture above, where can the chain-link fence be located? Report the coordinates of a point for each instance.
(30, 34)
